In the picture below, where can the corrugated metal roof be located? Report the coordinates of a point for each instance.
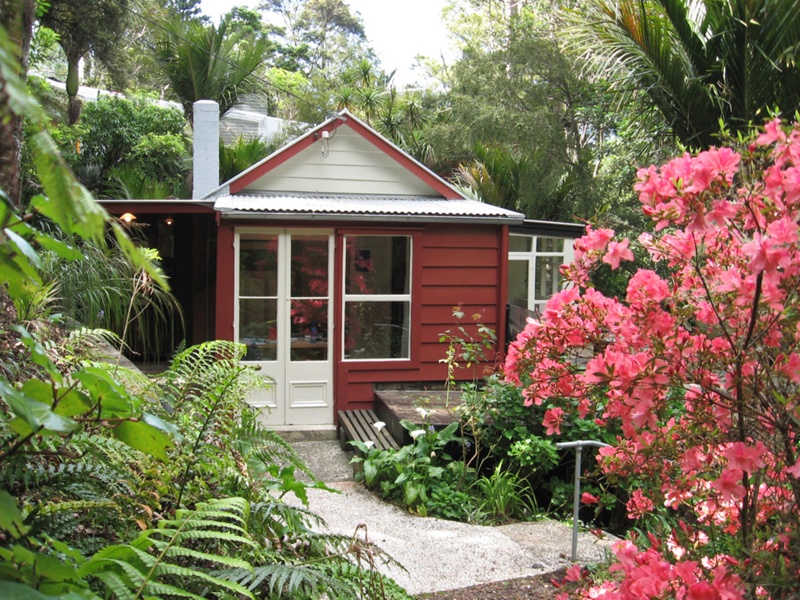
(391, 208)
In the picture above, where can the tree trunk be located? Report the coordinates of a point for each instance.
(16, 17)
(73, 82)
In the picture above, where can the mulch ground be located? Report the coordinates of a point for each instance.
(539, 587)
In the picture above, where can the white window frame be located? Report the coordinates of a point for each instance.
(377, 297)
(567, 255)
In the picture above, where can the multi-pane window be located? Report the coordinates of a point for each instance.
(377, 297)
(533, 269)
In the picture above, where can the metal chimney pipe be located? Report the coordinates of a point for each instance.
(206, 148)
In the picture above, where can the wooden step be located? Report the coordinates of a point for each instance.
(360, 425)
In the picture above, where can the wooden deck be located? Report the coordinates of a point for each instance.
(393, 406)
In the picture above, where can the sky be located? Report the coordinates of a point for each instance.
(397, 36)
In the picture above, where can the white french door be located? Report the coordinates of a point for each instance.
(283, 315)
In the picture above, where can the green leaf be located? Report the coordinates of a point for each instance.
(72, 403)
(38, 353)
(67, 202)
(24, 247)
(435, 471)
(16, 96)
(144, 437)
(62, 249)
(370, 472)
(36, 414)
(360, 445)
(10, 590)
(17, 273)
(164, 426)
(10, 516)
(114, 399)
(138, 257)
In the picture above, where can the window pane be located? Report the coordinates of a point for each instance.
(518, 282)
(544, 244)
(258, 328)
(378, 264)
(309, 330)
(519, 243)
(548, 278)
(309, 266)
(376, 330)
(258, 265)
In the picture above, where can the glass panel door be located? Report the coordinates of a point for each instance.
(258, 296)
(283, 317)
(309, 298)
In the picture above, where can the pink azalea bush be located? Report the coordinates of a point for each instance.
(699, 367)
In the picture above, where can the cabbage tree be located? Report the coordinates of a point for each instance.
(700, 62)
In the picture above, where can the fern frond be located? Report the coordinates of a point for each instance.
(157, 590)
(261, 447)
(47, 510)
(150, 564)
(116, 584)
(191, 535)
(291, 581)
(278, 519)
(228, 561)
(189, 574)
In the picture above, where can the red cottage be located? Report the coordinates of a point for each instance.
(339, 259)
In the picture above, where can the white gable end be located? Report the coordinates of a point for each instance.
(345, 163)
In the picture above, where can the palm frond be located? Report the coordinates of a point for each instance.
(701, 62)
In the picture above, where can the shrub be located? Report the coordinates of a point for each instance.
(698, 369)
(422, 476)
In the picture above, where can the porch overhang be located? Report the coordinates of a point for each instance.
(144, 206)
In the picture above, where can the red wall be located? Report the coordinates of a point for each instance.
(454, 265)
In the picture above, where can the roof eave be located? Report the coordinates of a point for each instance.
(384, 218)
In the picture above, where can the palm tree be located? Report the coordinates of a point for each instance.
(494, 176)
(84, 27)
(202, 62)
(701, 62)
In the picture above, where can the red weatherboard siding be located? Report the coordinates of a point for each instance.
(454, 265)
(226, 294)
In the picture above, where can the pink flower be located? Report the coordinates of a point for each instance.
(596, 239)
(639, 505)
(647, 286)
(746, 458)
(729, 486)
(587, 498)
(574, 573)
(702, 590)
(794, 471)
(617, 251)
(773, 132)
(553, 419)
(720, 161)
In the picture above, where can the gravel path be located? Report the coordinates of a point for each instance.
(437, 554)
